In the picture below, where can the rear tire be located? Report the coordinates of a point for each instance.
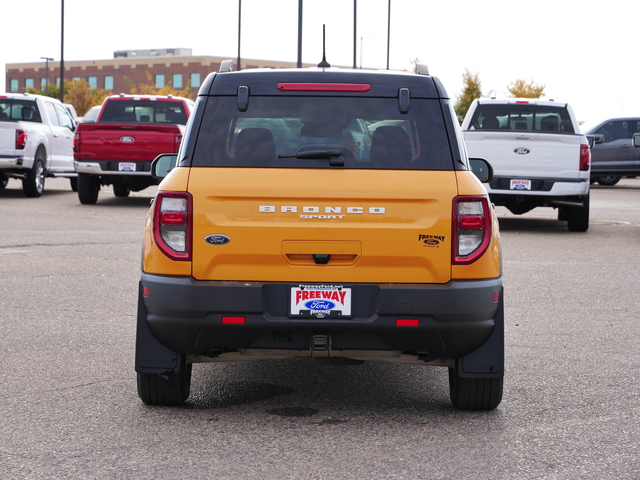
(578, 218)
(74, 183)
(474, 393)
(33, 182)
(608, 181)
(88, 189)
(4, 180)
(170, 389)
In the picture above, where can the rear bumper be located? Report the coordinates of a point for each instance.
(184, 316)
(111, 167)
(541, 187)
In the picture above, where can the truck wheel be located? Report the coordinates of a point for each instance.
(74, 183)
(33, 182)
(474, 393)
(608, 181)
(165, 389)
(578, 218)
(88, 189)
(121, 190)
(4, 180)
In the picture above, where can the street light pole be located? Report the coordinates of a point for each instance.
(62, 53)
(47, 69)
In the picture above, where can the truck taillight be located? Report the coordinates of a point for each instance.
(76, 143)
(177, 140)
(21, 139)
(585, 158)
(471, 228)
(172, 222)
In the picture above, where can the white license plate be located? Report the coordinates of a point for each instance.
(518, 184)
(320, 301)
(126, 167)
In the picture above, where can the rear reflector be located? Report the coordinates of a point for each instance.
(324, 87)
(407, 322)
(234, 320)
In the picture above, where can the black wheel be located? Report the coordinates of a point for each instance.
(121, 190)
(33, 182)
(74, 183)
(88, 189)
(4, 180)
(165, 389)
(608, 181)
(474, 393)
(578, 218)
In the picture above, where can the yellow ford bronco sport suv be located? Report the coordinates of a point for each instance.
(322, 213)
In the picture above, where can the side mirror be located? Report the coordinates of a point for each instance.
(591, 141)
(598, 139)
(162, 165)
(636, 139)
(481, 168)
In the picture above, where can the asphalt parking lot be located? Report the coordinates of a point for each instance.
(69, 407)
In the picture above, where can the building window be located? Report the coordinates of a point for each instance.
(13, 85)
(194, 81)
(177, 80)
(58, 82)
(159, 81)
(108, 82)
(93, 82)
(43, 84)
(28, 83)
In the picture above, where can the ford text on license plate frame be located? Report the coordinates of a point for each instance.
(127, 167)
(520, 184)
(320, 301)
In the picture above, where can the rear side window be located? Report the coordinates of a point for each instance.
(522, 117)
(319, 132)
(144, 111)
(13, 110)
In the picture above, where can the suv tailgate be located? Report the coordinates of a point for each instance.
(282, 224)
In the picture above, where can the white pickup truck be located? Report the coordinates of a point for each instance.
(538, 155)
(36, 141)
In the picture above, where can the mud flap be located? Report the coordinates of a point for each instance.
(151, 355)
(488, 360)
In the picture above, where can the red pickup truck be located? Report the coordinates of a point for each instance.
(130, 131)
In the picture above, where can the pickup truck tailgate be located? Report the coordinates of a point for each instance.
(102, 141)
(7, 140)
(527, 154)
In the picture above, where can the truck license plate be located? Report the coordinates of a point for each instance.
(518, 184)
(127, 167)
(320, 301)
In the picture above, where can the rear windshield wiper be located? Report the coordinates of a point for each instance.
(314, 154)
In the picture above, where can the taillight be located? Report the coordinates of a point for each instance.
(585, 158)
(471, 228)
(21, 139)
(177, 140)
(172, 221)
(76, 143)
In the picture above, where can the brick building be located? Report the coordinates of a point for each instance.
(172, 66)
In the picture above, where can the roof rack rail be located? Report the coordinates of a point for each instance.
(422, 69)
(226, 66)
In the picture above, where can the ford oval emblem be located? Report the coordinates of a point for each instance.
(217, 239)
(522, 151)
(319, 305)
(127, 139)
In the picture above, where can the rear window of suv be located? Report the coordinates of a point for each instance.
(522, 117)
(307, 132)
(144, 111)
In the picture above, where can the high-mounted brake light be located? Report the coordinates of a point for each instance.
(471, 228)
(324, 87)
(172, 224)
(585, 158)
(522, 101)
(21, 139)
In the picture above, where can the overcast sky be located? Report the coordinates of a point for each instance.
(585, 53)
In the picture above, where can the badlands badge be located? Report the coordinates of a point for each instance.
(320, 301)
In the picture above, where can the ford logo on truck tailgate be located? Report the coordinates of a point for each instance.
(522, 151)
(127, 139)
(217, 239)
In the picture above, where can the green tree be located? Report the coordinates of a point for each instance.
(471, 90)
(523, 89)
